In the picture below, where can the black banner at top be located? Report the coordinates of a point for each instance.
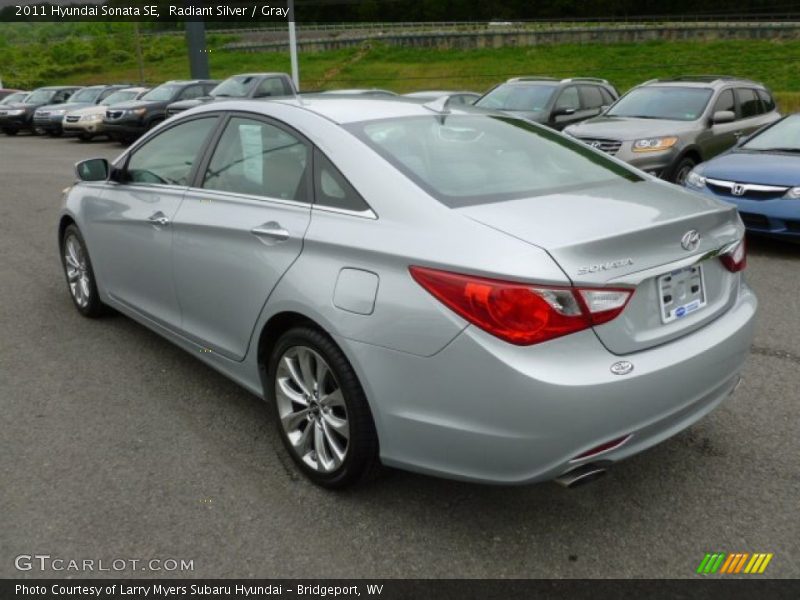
(279, 11)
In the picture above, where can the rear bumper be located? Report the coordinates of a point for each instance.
(487, 411)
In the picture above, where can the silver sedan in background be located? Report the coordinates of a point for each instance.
(446, 290)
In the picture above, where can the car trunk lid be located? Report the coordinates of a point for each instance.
(629, 235)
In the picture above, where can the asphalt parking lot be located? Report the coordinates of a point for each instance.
(116, 444)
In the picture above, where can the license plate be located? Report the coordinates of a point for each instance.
(681, 293)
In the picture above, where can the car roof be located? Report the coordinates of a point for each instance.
(351, 109)
(60, 87)
(701, 81)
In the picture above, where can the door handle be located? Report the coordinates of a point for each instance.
(158, 218)
(271, 231)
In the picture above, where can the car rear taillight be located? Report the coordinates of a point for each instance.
(519, 313)
(735, 259)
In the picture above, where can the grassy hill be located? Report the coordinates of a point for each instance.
(110, 56)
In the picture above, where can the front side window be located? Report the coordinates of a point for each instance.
(259, 159)
(568, 99)
(748, 102)
(591, 96)
(725, 102)
(662, 102)
(167, 159)
(518, 97)
(467, 160)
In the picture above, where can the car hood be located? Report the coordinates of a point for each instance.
(627, 128)
(66, 106)
(616, 221)
(131, 104)
(767, 168)
(94, 109)
(187, 104)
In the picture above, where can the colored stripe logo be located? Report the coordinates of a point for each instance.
(734, 563)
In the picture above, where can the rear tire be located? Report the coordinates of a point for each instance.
(321, 410)
(681, 170)
(79, 274)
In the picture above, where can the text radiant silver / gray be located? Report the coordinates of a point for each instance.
(408, 284)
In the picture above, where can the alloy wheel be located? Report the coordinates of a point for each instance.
(312, 409)
(77, 271)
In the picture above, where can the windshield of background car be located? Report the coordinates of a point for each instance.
(475, 159)
(40, 96)
(784, 135)
(13, 98)
(161, 93)
(529, 97)
(234, 87)
(653, 102)
(121, 96)
(88, 95)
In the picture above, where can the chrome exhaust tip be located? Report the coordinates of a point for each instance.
(580, 476)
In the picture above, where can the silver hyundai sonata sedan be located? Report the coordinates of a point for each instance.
(440, 289)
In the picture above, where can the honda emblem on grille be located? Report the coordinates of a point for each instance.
(738, 189)
(690, 240)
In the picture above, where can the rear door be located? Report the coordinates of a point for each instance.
(239, 229)
(751, 110)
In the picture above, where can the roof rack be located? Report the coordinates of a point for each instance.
(565, 80)
(699, 79)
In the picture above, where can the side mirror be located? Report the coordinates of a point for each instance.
(562, 112)
(93, 169)
(723, 116)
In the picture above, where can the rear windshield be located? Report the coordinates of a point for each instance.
(463, 160)
(518, 97)
(654, 102)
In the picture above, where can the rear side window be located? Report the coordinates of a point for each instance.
(766, 100)
(167, 159)
(331, 189)
(608, 98)
(259, 159)
(725, 102)
(591, 96)
(748, 102)
(273, 86)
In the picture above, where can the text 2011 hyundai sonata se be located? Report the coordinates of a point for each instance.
(449, 291)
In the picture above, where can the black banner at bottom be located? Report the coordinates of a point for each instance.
(396, 589)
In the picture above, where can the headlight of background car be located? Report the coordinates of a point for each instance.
(15, 113)
(139, 112)
(92, 118)
(695, 180)
(654, 144)
(793, 194)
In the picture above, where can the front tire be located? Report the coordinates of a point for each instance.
(321, 410)
(10, 131)
(681, 170)
(80, 274)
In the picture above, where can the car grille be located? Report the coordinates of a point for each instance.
(754, 221)
(72, 119)
(750, 191)
(114, 114)
(608, 146)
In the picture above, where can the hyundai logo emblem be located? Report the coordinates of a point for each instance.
(622, 367)
(738, 189)
(690, 240)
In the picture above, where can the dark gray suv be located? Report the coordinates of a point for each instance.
(556, 103)
(666, 127)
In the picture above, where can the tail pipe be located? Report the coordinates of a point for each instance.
(582, 475)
